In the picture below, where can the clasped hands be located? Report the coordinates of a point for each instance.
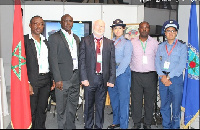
(165, 81)
(86, 83)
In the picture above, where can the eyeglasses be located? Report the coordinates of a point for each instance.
(172, 31)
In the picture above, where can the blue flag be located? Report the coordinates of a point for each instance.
(190, 101)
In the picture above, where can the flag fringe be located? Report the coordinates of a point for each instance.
(27, 128)
(190, 122)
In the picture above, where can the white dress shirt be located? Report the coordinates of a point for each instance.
(72, 46)
(42, 54)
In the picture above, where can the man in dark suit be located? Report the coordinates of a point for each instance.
(97, 72)
(36, 49)
(64, 48)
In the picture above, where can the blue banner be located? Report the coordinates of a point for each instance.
(190, 101)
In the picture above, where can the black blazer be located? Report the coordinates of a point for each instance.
(87, 60)
(31, 60)
(61, 62)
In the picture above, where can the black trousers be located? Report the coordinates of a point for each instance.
(95, 97)
(143, 84)
(39, 101)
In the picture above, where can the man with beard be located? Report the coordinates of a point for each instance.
(64, 46)
(144, 76)
(36, 49)
(97, 72)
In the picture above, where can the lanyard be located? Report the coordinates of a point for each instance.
(70, 43)
(169, 53)
(144, 48)
(38, 47)
(118, 42)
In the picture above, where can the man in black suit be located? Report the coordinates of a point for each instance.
(97, 72)
(64, 51)
(36, 49)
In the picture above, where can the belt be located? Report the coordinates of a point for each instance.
(166, 73)
(145, 72)
(42, 74)
(75, 70)
(98, 73)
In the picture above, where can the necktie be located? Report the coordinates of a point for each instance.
(98, 45)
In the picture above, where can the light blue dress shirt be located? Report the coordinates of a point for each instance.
(177, 58)
(123, 52)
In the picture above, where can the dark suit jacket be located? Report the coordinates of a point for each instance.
(31, 60)
(61, 61)
(87, 60)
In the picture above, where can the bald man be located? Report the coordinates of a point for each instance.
(63, 56)
(97, 73)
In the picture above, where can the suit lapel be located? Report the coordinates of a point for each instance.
(32, 45)
(104, 51)
(92, 44)
(64, 40)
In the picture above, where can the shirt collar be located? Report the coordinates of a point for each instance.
(66, 33)
(41, 36)
(97, 38)
(172, 43)
(120, 38)
(148, 39)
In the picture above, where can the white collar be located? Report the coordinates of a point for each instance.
(66, 33)
(41, 36)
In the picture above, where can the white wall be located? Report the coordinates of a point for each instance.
(183, 19)
(6, 32)
(108, 13)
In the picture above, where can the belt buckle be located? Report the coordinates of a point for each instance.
(42, 74)
(98, 73)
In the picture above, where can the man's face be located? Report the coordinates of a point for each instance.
(67, 23)
(37, 25)
(144, 29)
(170, 33)
(99, 28)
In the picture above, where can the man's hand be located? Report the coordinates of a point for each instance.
(168, 83)
(59, 85)
(53, 85)
(30, 89)
(110, 85)
(165, 81)
(163, 78)
(85, 83)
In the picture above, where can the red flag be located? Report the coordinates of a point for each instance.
(20, 98)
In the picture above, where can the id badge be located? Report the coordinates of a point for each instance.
(144, 59)
(99, 58)
(166, 65)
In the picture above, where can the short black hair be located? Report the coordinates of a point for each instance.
(66, 15)
(35, 17)
(144, 22)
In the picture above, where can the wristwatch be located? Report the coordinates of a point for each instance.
(168, 77)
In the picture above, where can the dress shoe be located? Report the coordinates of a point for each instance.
(136, 127)
(113, 126)
(147, 127)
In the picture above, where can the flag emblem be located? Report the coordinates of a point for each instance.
(22, 61)
(193, 63)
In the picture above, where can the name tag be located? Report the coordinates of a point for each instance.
(166, 65)
(74, 58)
(145, 60)
(99, 58)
